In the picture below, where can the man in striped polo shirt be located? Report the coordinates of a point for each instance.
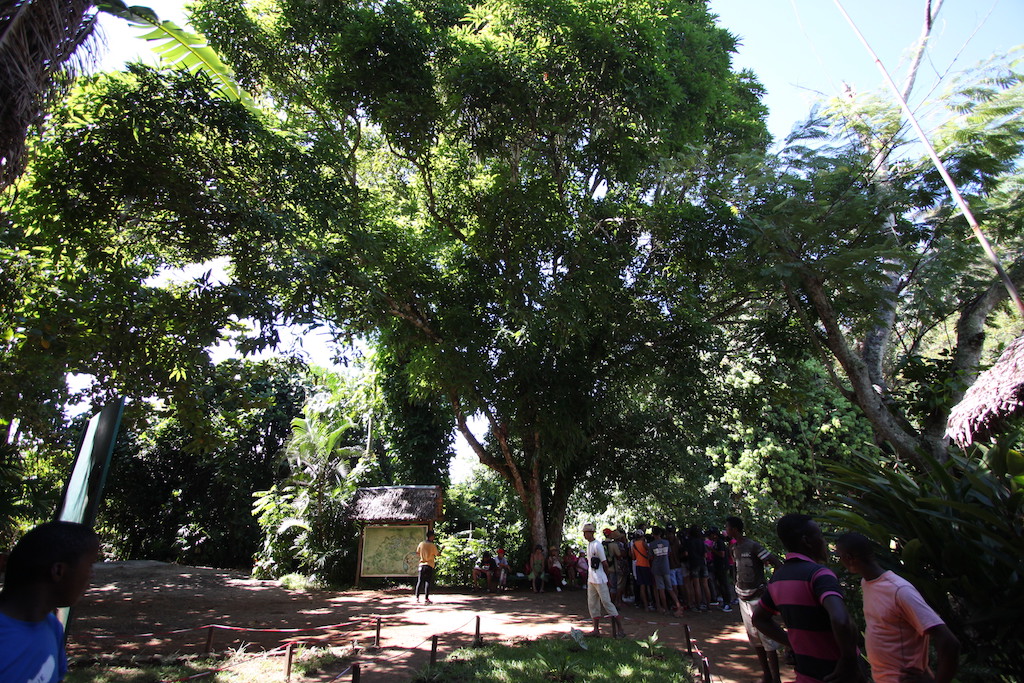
(807, 594)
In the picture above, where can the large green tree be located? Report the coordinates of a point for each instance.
(506, 157)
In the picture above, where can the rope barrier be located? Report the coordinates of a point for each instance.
(224, 627)
(263, 655)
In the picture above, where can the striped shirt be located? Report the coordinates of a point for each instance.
(797, 592)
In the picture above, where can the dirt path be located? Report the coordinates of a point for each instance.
(143, 609)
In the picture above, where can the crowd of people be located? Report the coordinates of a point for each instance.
(689, 569)
(665, 570)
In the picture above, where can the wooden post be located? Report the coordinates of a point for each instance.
(376, 640)
(477, 640)
(288, 662)
(209, 639)
(689, 641)
(705, 670)
(433, 650)
(355, 673)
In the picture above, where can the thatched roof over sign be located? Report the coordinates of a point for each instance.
(994, 399)
(406, 504)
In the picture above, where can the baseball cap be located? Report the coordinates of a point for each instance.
(588, 527)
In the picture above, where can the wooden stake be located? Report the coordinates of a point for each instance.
(376, 640)
(209, 639)
(355, 673)
(288, 662)
(433, 650)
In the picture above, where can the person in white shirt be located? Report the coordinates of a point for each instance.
(597, 586)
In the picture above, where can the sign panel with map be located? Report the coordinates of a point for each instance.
(391, 550)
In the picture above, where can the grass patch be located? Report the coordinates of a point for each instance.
(541, 661)
(234, 667)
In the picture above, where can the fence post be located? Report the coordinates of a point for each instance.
(376, 640)
(288, 662)
(209, 639)
(477, 640)
(433, 650)
(355, 673)
(705, 670)
(689, 641)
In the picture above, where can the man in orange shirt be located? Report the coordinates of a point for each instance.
(899, 622)
(428, 553)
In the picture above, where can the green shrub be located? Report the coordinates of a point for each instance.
(957, 533)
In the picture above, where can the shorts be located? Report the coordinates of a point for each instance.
(661, 581)
(644, 577)
(677, 576)
(699, 571)
(756, 638)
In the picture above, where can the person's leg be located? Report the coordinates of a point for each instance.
(594, 606)
(618, 630)
(429, 580)
(419, 582)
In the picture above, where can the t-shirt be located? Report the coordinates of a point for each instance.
(694, 552)
(612, 552)
(488, 564)
(897, 618)
(596, 549)
(641, 554)
(674, 553)
(428, 552)
(750, 557)
(797, 592)
(659, 550)
(720, 562)
(32, 652)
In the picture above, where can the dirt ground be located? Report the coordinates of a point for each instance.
(142, 609)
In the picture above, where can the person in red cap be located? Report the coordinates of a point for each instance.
(502, 563)
(612, 551)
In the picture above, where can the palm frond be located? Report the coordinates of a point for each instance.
(181, 49)
(39, 57)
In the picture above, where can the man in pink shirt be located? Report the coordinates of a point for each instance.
(899, 622)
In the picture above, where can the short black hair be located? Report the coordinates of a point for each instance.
(791, 529)
(657, 531)
(34, 555)
(857, 545)
(735, 522)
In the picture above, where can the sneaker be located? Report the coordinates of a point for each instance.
(703, 608)
(558, 589)
(726, 608)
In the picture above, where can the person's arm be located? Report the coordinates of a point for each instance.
(845, 632)
(763, 622)
(947, 653)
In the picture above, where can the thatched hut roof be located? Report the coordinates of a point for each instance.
(995, 398)
(402, 504)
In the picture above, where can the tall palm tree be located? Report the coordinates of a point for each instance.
(39, 56)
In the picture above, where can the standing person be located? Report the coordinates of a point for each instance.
(644, 578)
(428, 553)
(675, 565)
(899, 622)
(50, 567)
(807, 594)
(661, 570)
(750, 558)
(697, 568)
(597, 585)
(612, 551)
(720, 566)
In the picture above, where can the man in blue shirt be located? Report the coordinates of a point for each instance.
(50, 567)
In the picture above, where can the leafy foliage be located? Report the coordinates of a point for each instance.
(165, 476)
(957, 533)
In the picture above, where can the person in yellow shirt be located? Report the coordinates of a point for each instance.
(428, 553)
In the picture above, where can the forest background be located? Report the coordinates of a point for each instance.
(559, 229)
